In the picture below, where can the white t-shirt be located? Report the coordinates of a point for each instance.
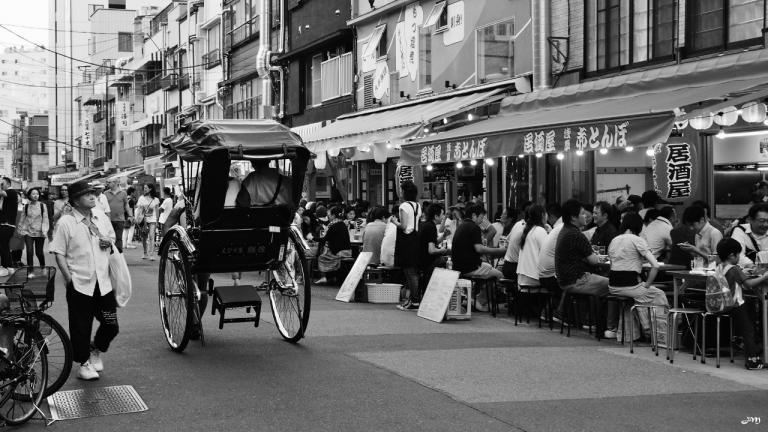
(166, 206)
(513, 239)
(148, 206)
(410, 221)
(528, 264)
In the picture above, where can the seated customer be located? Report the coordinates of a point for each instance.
(467, 250)
(431, 255)
(657, 232)
(531, 242)
(729, 251)
(574, 258)
(373, 234)
(334, 246)
(265, 185)
(627, 252)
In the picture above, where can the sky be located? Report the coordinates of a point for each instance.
(26, 13)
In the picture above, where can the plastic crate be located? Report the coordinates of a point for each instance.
(459, 306)
(383, 292)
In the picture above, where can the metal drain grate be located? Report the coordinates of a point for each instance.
(94, 402)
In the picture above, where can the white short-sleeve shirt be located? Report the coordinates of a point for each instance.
(86, 261)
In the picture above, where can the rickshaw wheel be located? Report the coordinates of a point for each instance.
(175, 293)
(290, 294)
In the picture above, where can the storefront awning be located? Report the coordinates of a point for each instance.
(388, 125)
(133, 127)
(635, 109)
(71, 177)
(126, 173)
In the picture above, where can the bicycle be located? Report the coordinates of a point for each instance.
(24, 368)
(37, 284)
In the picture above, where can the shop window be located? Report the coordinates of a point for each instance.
(495, 51)
(124, 42)
(425, 59)
(715, 25)
(623, 33)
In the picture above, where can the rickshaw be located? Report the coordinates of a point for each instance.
(231, 239)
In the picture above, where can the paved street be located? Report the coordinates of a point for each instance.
(370, 367)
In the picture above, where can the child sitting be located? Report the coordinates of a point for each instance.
(728, 250)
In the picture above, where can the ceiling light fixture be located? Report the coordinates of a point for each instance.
(489, 162)
(429, 167)
(603, 151)
(722, 134)
(629, 149)
(473, 162)
(459, 165)
(579, 152)
(560, 156)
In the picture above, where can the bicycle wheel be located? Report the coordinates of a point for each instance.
(175, 293)
(290, 294)
(22, 387)
(58, 350)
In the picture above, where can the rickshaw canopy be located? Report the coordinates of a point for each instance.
(243, 138)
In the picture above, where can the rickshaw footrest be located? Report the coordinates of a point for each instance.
(234, 297)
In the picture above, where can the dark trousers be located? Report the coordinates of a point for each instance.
(510, 270)
(82, 310)
(34, 247)
(746, 329)
(118, 226)
(6, 232)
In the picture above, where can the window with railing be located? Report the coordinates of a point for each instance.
(152, 85)
(245, 109)
(625, 33)
(715, 25)
(496, 51)
(184, 81)
(336, 77)
(212, 57)
(244, 31)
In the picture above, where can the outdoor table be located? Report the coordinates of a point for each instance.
(677, 278)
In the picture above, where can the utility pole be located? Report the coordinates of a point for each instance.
(56, 75)
(71, 93)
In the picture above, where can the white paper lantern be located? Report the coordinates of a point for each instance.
(321, 160)
(365, 147)
(727, 116)
(701, 122)
(753, 112)
(380, 152)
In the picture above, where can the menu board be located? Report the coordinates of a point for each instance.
(347, 290)
(438, 294)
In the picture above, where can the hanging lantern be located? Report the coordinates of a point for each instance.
(380, 152)
(727, 116)
(320, 160)
(348, 152)
(753, 112)
(702, 122)
(364, 147)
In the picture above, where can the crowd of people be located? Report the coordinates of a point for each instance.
(592, 249)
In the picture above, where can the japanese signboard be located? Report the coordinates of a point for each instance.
(122, 114)
(409, 41)
(675, 170)
(455, 31)
(405, 173)
(381, 80)
(85, 130)
(588, 136)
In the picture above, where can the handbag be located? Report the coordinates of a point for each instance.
(17, 241)
(120, 277)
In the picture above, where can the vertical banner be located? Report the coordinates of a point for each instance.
(675, 170)
(122, 113)
(85, 132)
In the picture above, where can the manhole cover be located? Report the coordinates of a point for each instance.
(94, 402)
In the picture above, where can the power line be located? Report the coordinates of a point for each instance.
(45, 137)
(91, 63)
(50, 29)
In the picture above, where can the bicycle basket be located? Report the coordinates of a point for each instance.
(31, 285)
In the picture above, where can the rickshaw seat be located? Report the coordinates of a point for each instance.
(244, 239)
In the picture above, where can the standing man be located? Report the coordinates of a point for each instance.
(9, 207)
(82, 244)
(101, 200)
(119, 210)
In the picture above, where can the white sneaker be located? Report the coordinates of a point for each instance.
(95, 361)
(610, 334)
(87, 373)
(4, 272)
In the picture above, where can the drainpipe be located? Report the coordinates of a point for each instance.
(542, 66)
(264, 64)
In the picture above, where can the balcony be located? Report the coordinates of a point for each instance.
(170, 81)
(243, 32)
(247, 109)
(150, 150)
(212, 58)
(152, 85)
(99, 162)
(98, 116)
(184, 82)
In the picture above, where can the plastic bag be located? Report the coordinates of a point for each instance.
(120, 277)
(388, 245)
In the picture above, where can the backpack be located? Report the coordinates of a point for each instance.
(718, 294)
